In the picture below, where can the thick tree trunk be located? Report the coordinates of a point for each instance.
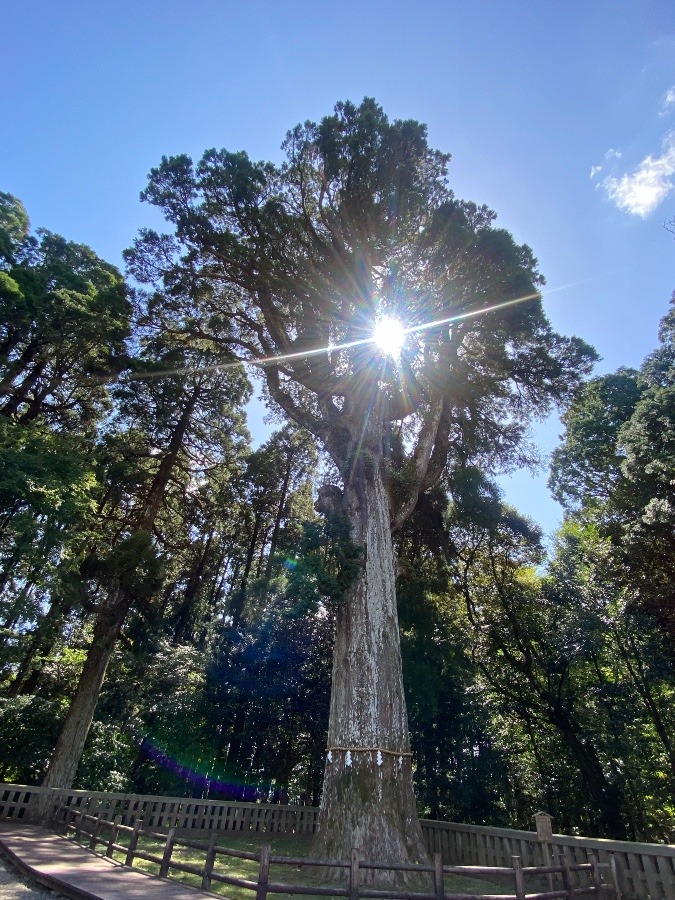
(368, 799)
(68, 750)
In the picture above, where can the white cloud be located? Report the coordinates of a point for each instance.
(610, 155)
(668, 101)
(641, 191)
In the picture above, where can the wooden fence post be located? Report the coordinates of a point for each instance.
(80, 822)
(517, 864)
(95, 830)
(439, 887)
(263, 872)
(54, 808)
(114, 829)
(354, 875)
(615, 876)
(566, 876)
(166, 856)
(133, 842)
(65, 820)
(595, 873)
(209, 861)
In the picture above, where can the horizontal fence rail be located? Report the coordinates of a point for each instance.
(645, 871)
(642, 871)
(182, 813)
(98, 832)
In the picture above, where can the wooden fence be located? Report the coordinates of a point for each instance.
(645, 871)
(184, 814)
(642, 871)
(98, 832)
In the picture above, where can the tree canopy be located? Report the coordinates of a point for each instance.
(186, 592)
(300, 260)
(293, 265)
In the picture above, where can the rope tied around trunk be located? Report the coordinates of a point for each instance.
(377, 750)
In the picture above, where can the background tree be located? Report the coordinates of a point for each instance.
(526, 645)
(274, 471)
(616, 467)
(300, 261)
(64, 317)
(191, 418)
(460, 775)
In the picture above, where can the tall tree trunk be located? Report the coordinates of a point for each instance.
(368, 798)
(66, 757)
(604, 794)
(239, 598)
(186, 617)
(109, 621)
(279, 516)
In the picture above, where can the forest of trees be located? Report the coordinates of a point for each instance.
(179, 589)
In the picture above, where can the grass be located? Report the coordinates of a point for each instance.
(288, 845)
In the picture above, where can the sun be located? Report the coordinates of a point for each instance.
(389, 336)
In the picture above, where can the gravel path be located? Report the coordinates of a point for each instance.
(14, 888)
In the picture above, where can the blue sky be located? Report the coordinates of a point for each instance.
(559, 115)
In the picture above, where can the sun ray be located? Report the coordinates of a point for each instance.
(473, 313)
(261, 362)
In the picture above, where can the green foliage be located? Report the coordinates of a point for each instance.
(530, 684)
(132, 563)
(47, 473)
(617, 466)
(29, 727)
(359, 219)
(108, 759)
(587, 466)
(14, 228)
(325, 566)
(460, 774)
(64, 319)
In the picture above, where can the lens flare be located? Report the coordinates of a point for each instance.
(210, 783)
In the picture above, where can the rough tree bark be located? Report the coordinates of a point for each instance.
(368, 800)
(368, 797)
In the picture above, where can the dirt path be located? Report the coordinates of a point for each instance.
(14, 888)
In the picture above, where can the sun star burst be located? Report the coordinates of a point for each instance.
(389, 335)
